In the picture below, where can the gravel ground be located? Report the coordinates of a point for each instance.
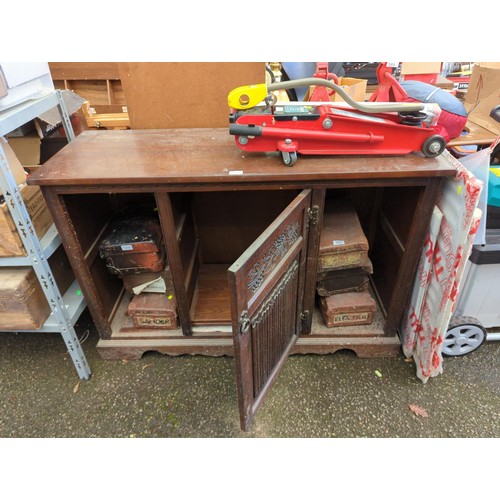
(335, 396)
(159, 396)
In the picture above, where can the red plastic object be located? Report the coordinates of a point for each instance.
(322, 94)
(389, 89)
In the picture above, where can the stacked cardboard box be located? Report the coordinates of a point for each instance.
(344, 268)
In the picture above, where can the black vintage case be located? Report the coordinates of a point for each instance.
(133, 245)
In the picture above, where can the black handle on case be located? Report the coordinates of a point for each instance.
(245, 130)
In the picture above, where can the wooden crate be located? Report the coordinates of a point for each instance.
(23, 305)
(10, 241)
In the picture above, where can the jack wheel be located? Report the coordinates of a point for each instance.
(289, 159)
(433, 146)
(464, 335)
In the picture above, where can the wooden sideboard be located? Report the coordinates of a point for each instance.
(222, 213)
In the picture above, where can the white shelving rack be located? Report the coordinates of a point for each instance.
(65, 310)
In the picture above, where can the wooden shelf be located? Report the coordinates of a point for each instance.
(211, 303)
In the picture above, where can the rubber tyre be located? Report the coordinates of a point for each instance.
(433, 146)
(289, 159)
(463, 336)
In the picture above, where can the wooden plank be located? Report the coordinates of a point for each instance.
(211, 303)
(84, 70)
(228, 223)
(318, 200)
(104, 120)
(266, 289)
(476, 135)
(174, 259)
(76, 257)
(95, 91)
(180, 94)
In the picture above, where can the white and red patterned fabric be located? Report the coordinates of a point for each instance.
(440, 270)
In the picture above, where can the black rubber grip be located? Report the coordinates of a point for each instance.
(246, 130)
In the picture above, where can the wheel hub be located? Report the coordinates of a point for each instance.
(462, 339)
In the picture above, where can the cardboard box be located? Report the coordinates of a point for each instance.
(10, 241)
(483, 95)
(21, 81)
(23, 305)
(421, 71)
(355, 87)
(27, 149)
(14, 163)
(23, 130)
(3, 88)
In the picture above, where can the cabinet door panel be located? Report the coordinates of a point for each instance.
(266, 287)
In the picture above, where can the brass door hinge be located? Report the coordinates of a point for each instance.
(244, 323)
(312, 215)
(304, 318)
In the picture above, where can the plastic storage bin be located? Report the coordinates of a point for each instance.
(481, 286)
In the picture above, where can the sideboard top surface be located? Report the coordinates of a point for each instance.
(171, 157)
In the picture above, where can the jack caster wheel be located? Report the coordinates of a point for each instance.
(289, 159)
(433, 146)
(464, 335)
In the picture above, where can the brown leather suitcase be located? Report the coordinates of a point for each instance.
(343, 244)
(347, 309)
(154, 310)
(133, 245)
(343, 281)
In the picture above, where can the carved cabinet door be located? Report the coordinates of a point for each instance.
(266, 286)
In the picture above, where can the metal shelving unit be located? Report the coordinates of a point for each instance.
(65, 310)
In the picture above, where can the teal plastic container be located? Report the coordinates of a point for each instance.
(494, 187)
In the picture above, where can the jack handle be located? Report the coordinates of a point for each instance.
(372, 107)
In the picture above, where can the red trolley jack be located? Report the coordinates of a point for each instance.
(261, 124)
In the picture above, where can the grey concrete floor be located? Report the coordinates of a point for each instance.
(333, 396)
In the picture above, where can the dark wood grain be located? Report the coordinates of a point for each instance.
(76, 256)
(409, 261)
(194, 157)
(182, 164)
(169, 230)
(266, 289)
